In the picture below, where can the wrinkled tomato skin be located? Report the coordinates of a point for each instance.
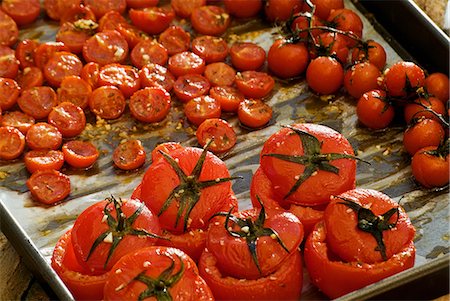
(395, 78)
(284, 284)
(430, 171)
(336, 278)
(317, 189)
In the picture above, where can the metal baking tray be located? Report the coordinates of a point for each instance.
(33, 229)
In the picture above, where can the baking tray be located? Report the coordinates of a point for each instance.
(34, 229)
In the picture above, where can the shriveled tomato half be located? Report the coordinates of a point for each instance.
(9, 92)
(210, 20)
(150, 104)
(12, 143)
(9, 33)
(129, 155)
(254, 84)
(105, 47)
(43, 135)
(199, 109)
(49, 186)
(175, 39)
(37, 101)
(43, 159)
(80, 154)
(124, 77)
(68, 118)
(17, 119)
(152, 20)
(219, 131)
(107, 102)
(154, 75)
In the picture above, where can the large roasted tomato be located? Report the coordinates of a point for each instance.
(365, 237)
(307, 163)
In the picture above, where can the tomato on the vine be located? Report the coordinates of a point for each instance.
(286, 59)
(403, 78)
(362, 78)
(421, 133)
(374, 110)
(325, 75)
(437, 85)
(430, 165)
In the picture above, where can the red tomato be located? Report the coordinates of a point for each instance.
(362, 78)
(192, 242)
(419, 107)
(284, 284)
(101, 7)
(49, 186)
(282, 10)
(37, 102)
(184, 8)
(190, 86)
(348, 21)
(43, 136)
(22, 11)
(324, 7)
(141, 3)
(325, 75)
(129, 155)
(421, 133)
(154, 75)
(166, 147)
(403, 78)
(90, 73)
(331, 44)
(124, 77)
(430, 166)
(111, 21)
(80, 154)
(56, 8)
(201, 108)
(175, 39)
(105, 48)
(9, 33)
(108, 230)
(78, 280)
(68, 118)
(186, 62)
(219, 131)
(437, 84)
(174, 271)
(73, 36)
(310, 183)
(9, 65)
(374, 110)
(107, 102)
(210, 20)
(370, 51)
(211, 49)
(243, 8)
(75, 90)
(12, 143)
(247, 56)
(220, 74)
(161, 181)
(45, 51)
(30, 77)
(43, 159)
(287, 59)
(17, 119)
(152, 20)
(301, 24)
(60, 65)
(228, 97)
(148, 52)
(9, 92)
(254, 113)
(131, 33)
(25, 50)
(254, 84)
(76, 13)
(150, 104)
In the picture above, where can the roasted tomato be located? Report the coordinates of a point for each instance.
(307, 163)
(421, 133)
(159, 273)
(365, 237)
(374, 110)
(287, 59)
(430, 165)
(403, 78)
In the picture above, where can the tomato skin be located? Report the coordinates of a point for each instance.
(43, 136)
(68, 118)
(374, 111)
(43, 159)
(347, 20)
(302, 23)
(315, 190)
(190, 86)
(247, 56)
(141, 3)
(325, 75)
(430, 171)
(395, 78)
(77, 12)
(437, 85)
(75, 90)
(154, 75)
(425, 132)
(25, 52)
(375, 54)
(12, 143)
(336, 278)
(45, 51)
(324, 7)
(361, 78)
(72, 37)
(90, 74)
(22, 12)
(243, 8)
(210, 20)
(415, 110)
(80, 154)
(49, 186)
(192, 242)
(17, 119)
(282, 10)
(152, 20)
(129, 155)
(254, 84)
(9, 92)
(60, 65)
(186, 62)
(107, 102)
(105, 48)
(37, 102)
(331, 44)
(9, 65)
(124, 77)
(150, 104)
(284, 284)
(101, 7)
(220, 74)
(228, 96)
(81, 284)
(287, 60)
(166, 147)
(220, 131)
(211, 49)
(203, 107)
(184, 8)
(56, 8)
(9, 32)
(254, 113)
(175, 39)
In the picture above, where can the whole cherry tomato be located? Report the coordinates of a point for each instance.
(287, 59)
(374, 110)
(430, 165)
(325, 75)
(422, 133)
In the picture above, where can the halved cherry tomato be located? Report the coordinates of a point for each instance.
(254, 113)
(9, 92)
(282, 10)
(80, 154)
(210, 20)
(148, 52)
(22, 11)
(229, 97)
(152, 20)
(422, 133)
(73, 36)
(60, 65)
(9, 65)
(101, 7)
(107, 102)
(419, 107)
(403, 78)
(430, 166)
(17, 119)
(45, 51)
(184, 8)
(324, 7)
(211, 49)
(129, 155)
(55, 8)
(12, 143)
(150, 104)
(131, 33)
(220, 74)
(154, 75)
(370, 51)
(124, 77)
(247, 56)
(9, 33)
(141, 3)
(287, 59)
(111, 21)
(43, 159)
(219, 131)
(68, 118)
(43, 136)
(254, 84)
(90, 74)
(325, 75)
(201, 108)
(25, 52)
(174, 271)
(374, 110)
(437, 85)
(362, 78)
(348, 21)
(75, 90)
(38, 101)
(166, 147)
(49, 186)
(175, 39)
(30, 77)
(186, 62)
(190, 86)
(76, 13)
(243, 8)
(106, 47)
